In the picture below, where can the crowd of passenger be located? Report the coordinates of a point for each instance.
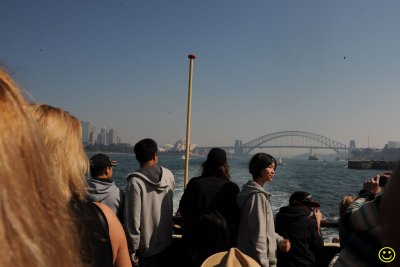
(51, 214)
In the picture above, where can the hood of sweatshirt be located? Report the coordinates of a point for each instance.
(249, 189)
(98, 190)
(292, 214)
(154, 175)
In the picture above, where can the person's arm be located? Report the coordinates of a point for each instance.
(318, 218)
(390, 213)
(282, 243)
(120, 210)
(354, 218)
(314, 225)
(117, 237)
(257, 221)
(188, 205)
(132, 215)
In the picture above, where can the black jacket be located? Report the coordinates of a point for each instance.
(210, 217)
(300, 227)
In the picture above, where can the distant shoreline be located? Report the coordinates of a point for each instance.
(107, 152)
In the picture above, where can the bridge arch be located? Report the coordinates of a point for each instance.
(310, 140)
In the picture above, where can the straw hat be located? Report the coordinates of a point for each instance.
(232, 258)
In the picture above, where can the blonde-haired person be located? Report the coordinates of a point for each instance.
(35, 224)
(344, 232)
(103, 240)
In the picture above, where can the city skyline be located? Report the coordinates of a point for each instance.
(106, 136)
(328, 68)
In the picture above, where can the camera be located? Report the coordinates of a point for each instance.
(383, 179)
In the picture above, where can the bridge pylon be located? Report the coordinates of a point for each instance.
(238, 150)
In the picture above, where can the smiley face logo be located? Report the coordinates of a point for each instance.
(386, 254)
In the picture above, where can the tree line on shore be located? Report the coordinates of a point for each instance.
(112, 148)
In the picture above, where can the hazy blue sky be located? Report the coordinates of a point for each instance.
(327, 67)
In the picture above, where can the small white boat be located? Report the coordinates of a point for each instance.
(280, 162)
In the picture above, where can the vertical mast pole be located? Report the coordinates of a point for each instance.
(189, 111)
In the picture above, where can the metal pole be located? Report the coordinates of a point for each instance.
(189, 111)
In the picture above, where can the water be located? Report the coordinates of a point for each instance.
(326, 182)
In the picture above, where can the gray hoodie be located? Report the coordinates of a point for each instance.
(148, 210)
(105, 191)
(257, 237)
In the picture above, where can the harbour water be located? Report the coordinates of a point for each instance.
(327, 181)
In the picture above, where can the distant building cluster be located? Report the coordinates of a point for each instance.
(179, 147)
(104, 137)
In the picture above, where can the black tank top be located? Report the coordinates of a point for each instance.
(96, 249)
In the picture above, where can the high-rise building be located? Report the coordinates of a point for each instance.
(352, 144)
(92, 134)
(393, 144)
(103, 136)
(88, 131)
(89, 136)
(111, 137)
(85, 131)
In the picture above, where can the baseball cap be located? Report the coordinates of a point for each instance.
(99, 162)
(301, 197)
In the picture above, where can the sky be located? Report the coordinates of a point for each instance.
(262, 66)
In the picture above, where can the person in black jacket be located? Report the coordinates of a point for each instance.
(209, 201)
(300, 223)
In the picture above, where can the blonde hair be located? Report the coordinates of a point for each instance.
(345, 203)
(36, 228)
(63, 137)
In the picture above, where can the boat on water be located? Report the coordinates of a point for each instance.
(280, 162)
(313, 157)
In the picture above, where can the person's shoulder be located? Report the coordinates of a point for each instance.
(204, 182)
(134, 177)
(195, 180)
(232, 184)
(166, 171)
(256, 195)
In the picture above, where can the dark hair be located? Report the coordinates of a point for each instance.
(145, 150)
(211, 234)
(260, 161)
(216, 164)
(217, 171)
(98, 163)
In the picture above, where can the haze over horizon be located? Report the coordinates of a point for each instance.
(329, 68)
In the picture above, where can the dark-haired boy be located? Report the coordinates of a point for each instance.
(149, 207)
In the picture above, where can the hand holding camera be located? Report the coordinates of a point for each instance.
(372, 185)
(317, 215)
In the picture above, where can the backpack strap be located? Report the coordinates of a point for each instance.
(106, 231)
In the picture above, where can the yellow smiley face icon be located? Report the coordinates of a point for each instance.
(386, 254)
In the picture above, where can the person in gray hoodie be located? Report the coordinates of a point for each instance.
(101, 187)
(149, 207)
(257, 237)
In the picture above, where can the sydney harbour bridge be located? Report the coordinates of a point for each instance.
(286, 139)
